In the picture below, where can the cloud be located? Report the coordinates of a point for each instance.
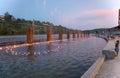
(102, 12)
(57, 15)
(99, 18)
(44, 2)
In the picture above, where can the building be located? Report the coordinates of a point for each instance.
(1, 17)
(116, 30)
(119, 18)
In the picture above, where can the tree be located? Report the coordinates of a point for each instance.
(7, 17)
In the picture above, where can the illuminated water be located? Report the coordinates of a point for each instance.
(67, 59)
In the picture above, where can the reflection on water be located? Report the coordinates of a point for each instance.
(64, 59)
(30, 53)
(49, 46)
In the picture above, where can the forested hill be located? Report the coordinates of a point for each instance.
(9, 25)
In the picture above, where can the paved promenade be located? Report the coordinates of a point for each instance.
(111, 68)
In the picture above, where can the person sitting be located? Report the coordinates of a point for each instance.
(116, 48)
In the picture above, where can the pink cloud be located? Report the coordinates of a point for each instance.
(112, 13)
(98, 12)
(99, 17)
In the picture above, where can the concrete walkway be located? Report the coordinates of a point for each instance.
(111, 68)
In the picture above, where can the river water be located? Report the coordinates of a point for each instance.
(63, 59)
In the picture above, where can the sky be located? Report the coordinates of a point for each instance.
(75, 14)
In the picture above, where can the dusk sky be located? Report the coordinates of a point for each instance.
(76, 14)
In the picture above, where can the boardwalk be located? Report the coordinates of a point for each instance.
(111, 68)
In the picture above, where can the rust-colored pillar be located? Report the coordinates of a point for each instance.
(60, 36)
(74, 35)
(88, 34)
(78, 34)
(84, 34)
(29, 35)
(49, 35)
(68, 35)
(81, 34)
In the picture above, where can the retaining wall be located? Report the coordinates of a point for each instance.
(107, 53)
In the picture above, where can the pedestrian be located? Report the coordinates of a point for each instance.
(116, 48)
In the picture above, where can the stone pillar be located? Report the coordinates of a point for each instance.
(49, 35)
(74, 35)
(60, 36)
(29, 35)
(68, 35)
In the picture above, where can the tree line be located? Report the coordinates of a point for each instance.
(17, 26)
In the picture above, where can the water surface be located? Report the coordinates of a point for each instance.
(64, 59)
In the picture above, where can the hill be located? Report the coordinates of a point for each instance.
(9, 25)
